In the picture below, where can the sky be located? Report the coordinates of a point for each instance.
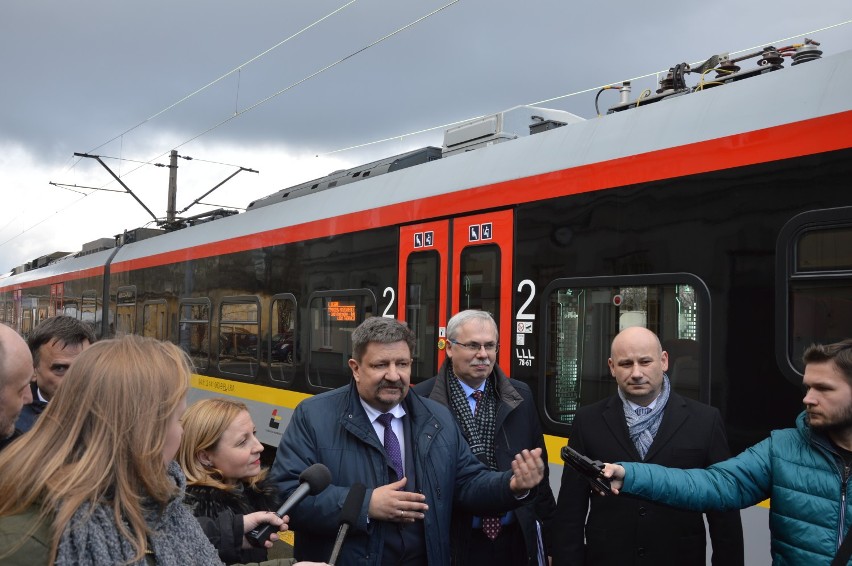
(296, 90)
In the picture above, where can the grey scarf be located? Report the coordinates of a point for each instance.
(643, 429)
(175, 536)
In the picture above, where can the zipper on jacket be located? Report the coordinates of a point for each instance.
(843, 485)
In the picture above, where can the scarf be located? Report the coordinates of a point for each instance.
(92, 538)
(478, 429)
(643, 429)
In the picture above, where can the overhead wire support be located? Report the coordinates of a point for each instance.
(120, 182)
(67, 186)
(228, 178)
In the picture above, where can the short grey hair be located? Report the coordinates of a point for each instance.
(462, 318)
(382, 330)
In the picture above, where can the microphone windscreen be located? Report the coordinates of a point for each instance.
(352, 505)
(317, 477)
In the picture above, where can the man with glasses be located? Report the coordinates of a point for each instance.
(498, 418)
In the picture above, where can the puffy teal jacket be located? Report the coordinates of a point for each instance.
(798, 469)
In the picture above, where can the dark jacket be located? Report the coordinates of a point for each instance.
(31, 411)
(332, 428)
(797, 469)
(517, 427)
(220, 513)
(4, 442)
(624, 530)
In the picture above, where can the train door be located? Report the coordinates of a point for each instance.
(451, 265)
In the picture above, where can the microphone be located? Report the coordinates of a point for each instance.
(312, 481)
(348, 516)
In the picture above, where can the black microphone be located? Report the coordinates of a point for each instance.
(348, 516)
(312, 481)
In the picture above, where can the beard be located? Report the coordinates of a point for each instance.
(840, 422)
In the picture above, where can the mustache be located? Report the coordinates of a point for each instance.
(390, 385)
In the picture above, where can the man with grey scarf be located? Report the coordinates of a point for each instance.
(645, 422)
(498, 418)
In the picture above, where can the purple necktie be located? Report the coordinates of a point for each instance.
(391, 444)
(490, 525)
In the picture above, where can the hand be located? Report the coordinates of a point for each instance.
(528, 470)
(254, 520)
(615, 473)
(390, 503)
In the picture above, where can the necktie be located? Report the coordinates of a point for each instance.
(490, 525)
(391, 444)
(642, 411)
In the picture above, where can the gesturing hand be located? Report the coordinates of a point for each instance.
(528, 470)
(390, 503)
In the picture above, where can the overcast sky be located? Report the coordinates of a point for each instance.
(100, 76)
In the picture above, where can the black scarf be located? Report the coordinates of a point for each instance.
(478, 429)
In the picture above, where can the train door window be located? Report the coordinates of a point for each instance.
(584, 315)
(421, 311)
(480, 279)
(125, 310)
(194, 331)
(280, 349)
(42, 312)
(239, 335)
(26, 321)
(333, 317)
(89, 308)
(71, 308)
(155, 319)
(814, 290)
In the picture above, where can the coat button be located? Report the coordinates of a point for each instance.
(643, 511)
(641, 552)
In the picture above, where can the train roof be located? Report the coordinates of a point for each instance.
(795, 94)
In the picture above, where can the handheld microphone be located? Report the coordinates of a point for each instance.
(312, 481)
(348, 516)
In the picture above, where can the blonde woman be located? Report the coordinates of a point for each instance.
(93, 483)
(226, 487)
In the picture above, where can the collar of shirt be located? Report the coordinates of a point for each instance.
(650, 405)
(396, 424)
(40, 398)
(468, 392)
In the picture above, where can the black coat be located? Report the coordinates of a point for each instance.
(623, 530)
(517, 427)
(220, 514)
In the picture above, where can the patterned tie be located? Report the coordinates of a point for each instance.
(490, 525)
(642, 411)
(391, 444)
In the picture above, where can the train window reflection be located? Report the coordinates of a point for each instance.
(125, 310)
(155, 319)
(239, 334)
(71, 308)
(280, 350)
(583, 320)
(88, 312)
(333, 317)
(194, 331)
(421, 311)
(818, 282)
(480, 279)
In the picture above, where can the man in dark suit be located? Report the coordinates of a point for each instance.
(645, 422)
(498, 419)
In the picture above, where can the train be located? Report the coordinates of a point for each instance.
(719, 215)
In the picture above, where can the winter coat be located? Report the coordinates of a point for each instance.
(797, 468)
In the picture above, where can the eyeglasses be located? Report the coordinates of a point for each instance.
(476, 346)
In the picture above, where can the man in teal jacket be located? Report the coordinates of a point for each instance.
(804, 470)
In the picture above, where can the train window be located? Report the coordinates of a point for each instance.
(194, 331)
(814, 289)
(3, 312)
(480, 279)
(239, 335)
(280, 349)
(421, 311)
(125, 310)
(333, 317)
(71, 308)
(155, 319)
(89, 310)
(584, 315)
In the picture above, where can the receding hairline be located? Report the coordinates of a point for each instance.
(639, 331)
